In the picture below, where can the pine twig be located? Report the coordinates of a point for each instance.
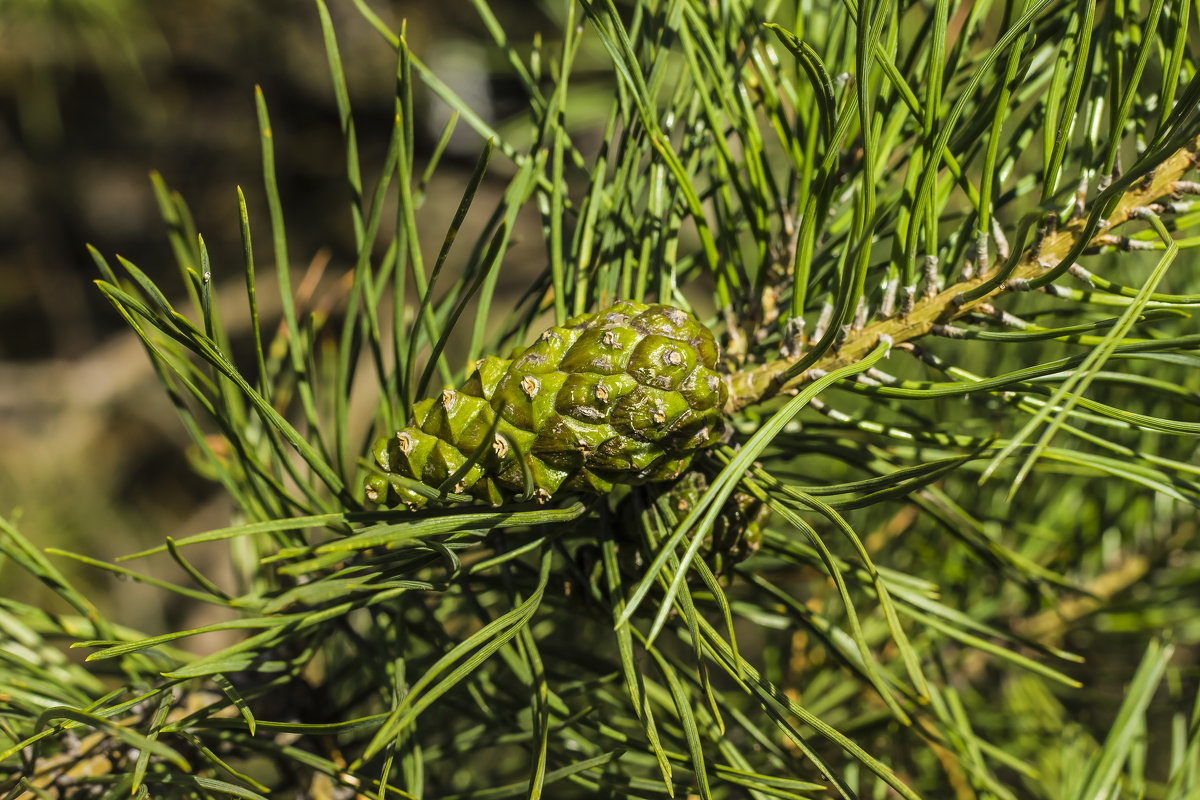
(753, 386)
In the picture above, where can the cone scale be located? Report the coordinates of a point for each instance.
(626, 395)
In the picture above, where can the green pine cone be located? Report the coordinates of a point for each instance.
(625, 395)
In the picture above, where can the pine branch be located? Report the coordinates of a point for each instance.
(753, 386)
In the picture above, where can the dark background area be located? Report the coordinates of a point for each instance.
(91, 103)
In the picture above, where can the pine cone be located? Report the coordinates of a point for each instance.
(626, 395)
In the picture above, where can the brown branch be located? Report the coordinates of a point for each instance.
(1048, 626)
(762, 383)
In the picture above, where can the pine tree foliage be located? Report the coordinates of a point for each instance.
(942, 245)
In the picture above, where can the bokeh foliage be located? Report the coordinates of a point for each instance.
(945, 248)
